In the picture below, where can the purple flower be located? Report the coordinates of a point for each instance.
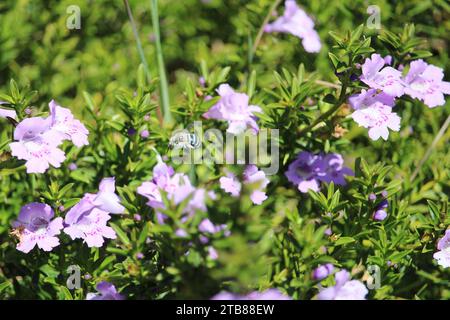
(106, 291)
(387, 79)
(234, 107)
(88, 218)
(72, 166)
(257, 179)
(206, 226)
(424, 82)
(140, 256)
(296, 22)
(374, 111)
(443, 255)
(380, 215)
(7, 113)
(37, 139)
(202, 81)
(308, 170)
(230, 184)
(36, 227)
(334, 169)
(323, 271)
(64, 123)
(145, 134)
(304, 171)
(270, 294)
(105, 200)
(372, 197)
(92, 228)
(37, 144)
(344, 289)
(212, 253)
(251, 177)
(177, 188)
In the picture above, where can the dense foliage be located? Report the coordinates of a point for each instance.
(381, 222)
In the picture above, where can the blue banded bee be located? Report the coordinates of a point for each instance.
(184, 140)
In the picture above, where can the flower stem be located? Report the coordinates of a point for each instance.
(164, 87)
(138, 40)
(261, 29)
(327, 114)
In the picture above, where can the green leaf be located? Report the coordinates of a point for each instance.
(344, 240)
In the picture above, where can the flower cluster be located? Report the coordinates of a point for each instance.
(86, 220)
(373, 107)
(443, 255)
(38, 139)
(234, 107)
(176, 187)
(252, 176)
(296, 22)
(308, 170)
(344, 288)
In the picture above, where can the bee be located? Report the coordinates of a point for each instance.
(17, 233)
(184, 140)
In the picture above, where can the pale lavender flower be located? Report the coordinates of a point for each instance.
(374, 111)
(212, 253)
(425, 82)
(88, 218)
(234, 107)
(145, 134)
(206, 226)
(140, 256)
(387, 79)
(4, 113)
(344, 289)
(334, 169)
(230, 184)
(106, 291)
(72, 166)
(308, 170)
(252, 177)
(92, 228)
(106, 199)
(380, 215)
(258, 180)
(323, 271)
(177, 188)
(296, 22)
(35, 226)
(304, 171)
(443, 255)
(65, 123)
(37, 144)
(37, 139)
